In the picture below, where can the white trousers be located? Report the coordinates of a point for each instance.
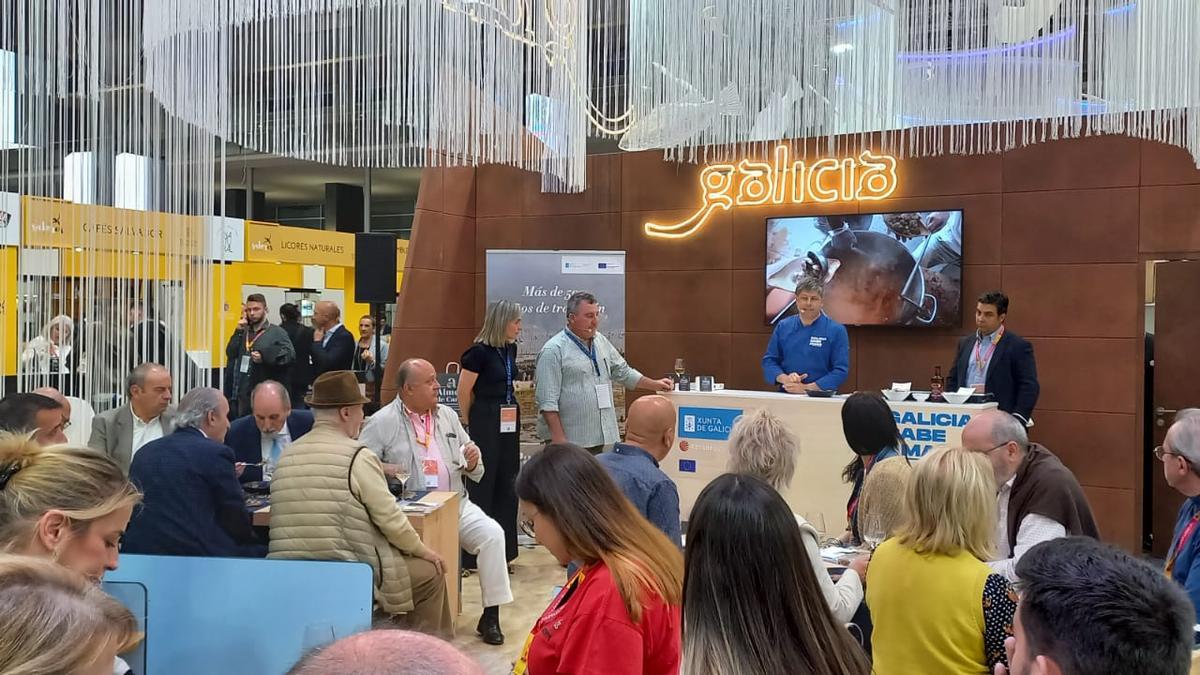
(483, 538)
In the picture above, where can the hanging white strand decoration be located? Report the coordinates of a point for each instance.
(115, 191)
(524, 82)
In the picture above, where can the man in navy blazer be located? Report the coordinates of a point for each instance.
(997, 361)
(260, 438)
(333, 345)
(192, 503)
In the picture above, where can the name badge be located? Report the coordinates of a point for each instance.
(244, 366)
(816, 341)
(508, 419)
(431, 473)
(604, 395)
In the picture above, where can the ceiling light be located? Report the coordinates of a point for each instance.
(841, 48)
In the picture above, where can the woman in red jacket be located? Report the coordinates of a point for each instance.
(619, 614)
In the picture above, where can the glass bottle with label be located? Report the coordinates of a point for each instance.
(937, 385)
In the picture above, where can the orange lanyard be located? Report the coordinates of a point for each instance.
(1183, 538)
(982, 361)
(429, 427)
(251, 340)
(519, 668)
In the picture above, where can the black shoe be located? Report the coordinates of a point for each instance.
(489, 630)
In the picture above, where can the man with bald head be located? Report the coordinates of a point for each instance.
(1038, 498)
(649, 435)
(417, 436)
(259, 439)
(51, 392)
(333, 345)
(394, 652)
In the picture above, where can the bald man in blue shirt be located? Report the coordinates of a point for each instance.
(808, 350)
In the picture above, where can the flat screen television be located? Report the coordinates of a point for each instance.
(877, 269)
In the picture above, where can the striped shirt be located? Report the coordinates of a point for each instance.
(566, 384)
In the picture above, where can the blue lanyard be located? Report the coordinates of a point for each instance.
(507, 374)
(591, 353)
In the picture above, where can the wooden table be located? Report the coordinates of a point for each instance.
(438, 529)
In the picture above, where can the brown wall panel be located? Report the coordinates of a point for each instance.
(499, 190)
(703, 353)
(745, 364)
(439, 346)
(887, 355)
(650, 184)
(1164, 164)
(442, 242)
(707, 249)
(583, 232)
(948, 175)
(677, 301)
(1071, 226)
(430, 195)
(1170, 219)
(1088, 375)
(1096, 162)
(1102, 449)
(747, 301)
(1118, 514)
(977, 280)
(458, 191)
(603, 193)
(1074, 300)
(433, 299)
(499, 233)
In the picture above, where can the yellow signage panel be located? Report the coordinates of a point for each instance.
(53, 223)
(267, 242)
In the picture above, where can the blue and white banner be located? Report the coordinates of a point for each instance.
(707, 424)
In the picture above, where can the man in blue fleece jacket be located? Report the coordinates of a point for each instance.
(808, 350)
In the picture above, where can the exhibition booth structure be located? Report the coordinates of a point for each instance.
(88, 291)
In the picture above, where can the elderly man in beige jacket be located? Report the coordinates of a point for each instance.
(329, 476)
(414, 434)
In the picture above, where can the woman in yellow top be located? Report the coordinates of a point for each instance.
(937, 608)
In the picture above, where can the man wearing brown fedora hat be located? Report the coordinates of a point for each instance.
(330, 476)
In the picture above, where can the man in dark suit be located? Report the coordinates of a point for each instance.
(333, 345)
(259, 440)
(302, 341)
(192, 503)
(997, 361)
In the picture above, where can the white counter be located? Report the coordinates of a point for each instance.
(705, 419)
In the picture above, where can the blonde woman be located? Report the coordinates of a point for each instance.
(488, 405)
(762, 446)
(55, 621)
(64, 503)
(69, 505)
(881, 503)
(50, 352)
(936, 605)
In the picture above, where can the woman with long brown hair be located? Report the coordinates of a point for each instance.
(748, 607)
(619, 614)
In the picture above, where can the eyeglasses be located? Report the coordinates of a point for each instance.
(1161, 452)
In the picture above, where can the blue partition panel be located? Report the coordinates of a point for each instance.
(237, 616)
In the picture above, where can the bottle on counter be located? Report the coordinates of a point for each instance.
(937, 384)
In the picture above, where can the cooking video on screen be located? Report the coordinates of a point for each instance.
(894, 269)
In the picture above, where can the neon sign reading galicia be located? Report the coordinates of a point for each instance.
(867, 177)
